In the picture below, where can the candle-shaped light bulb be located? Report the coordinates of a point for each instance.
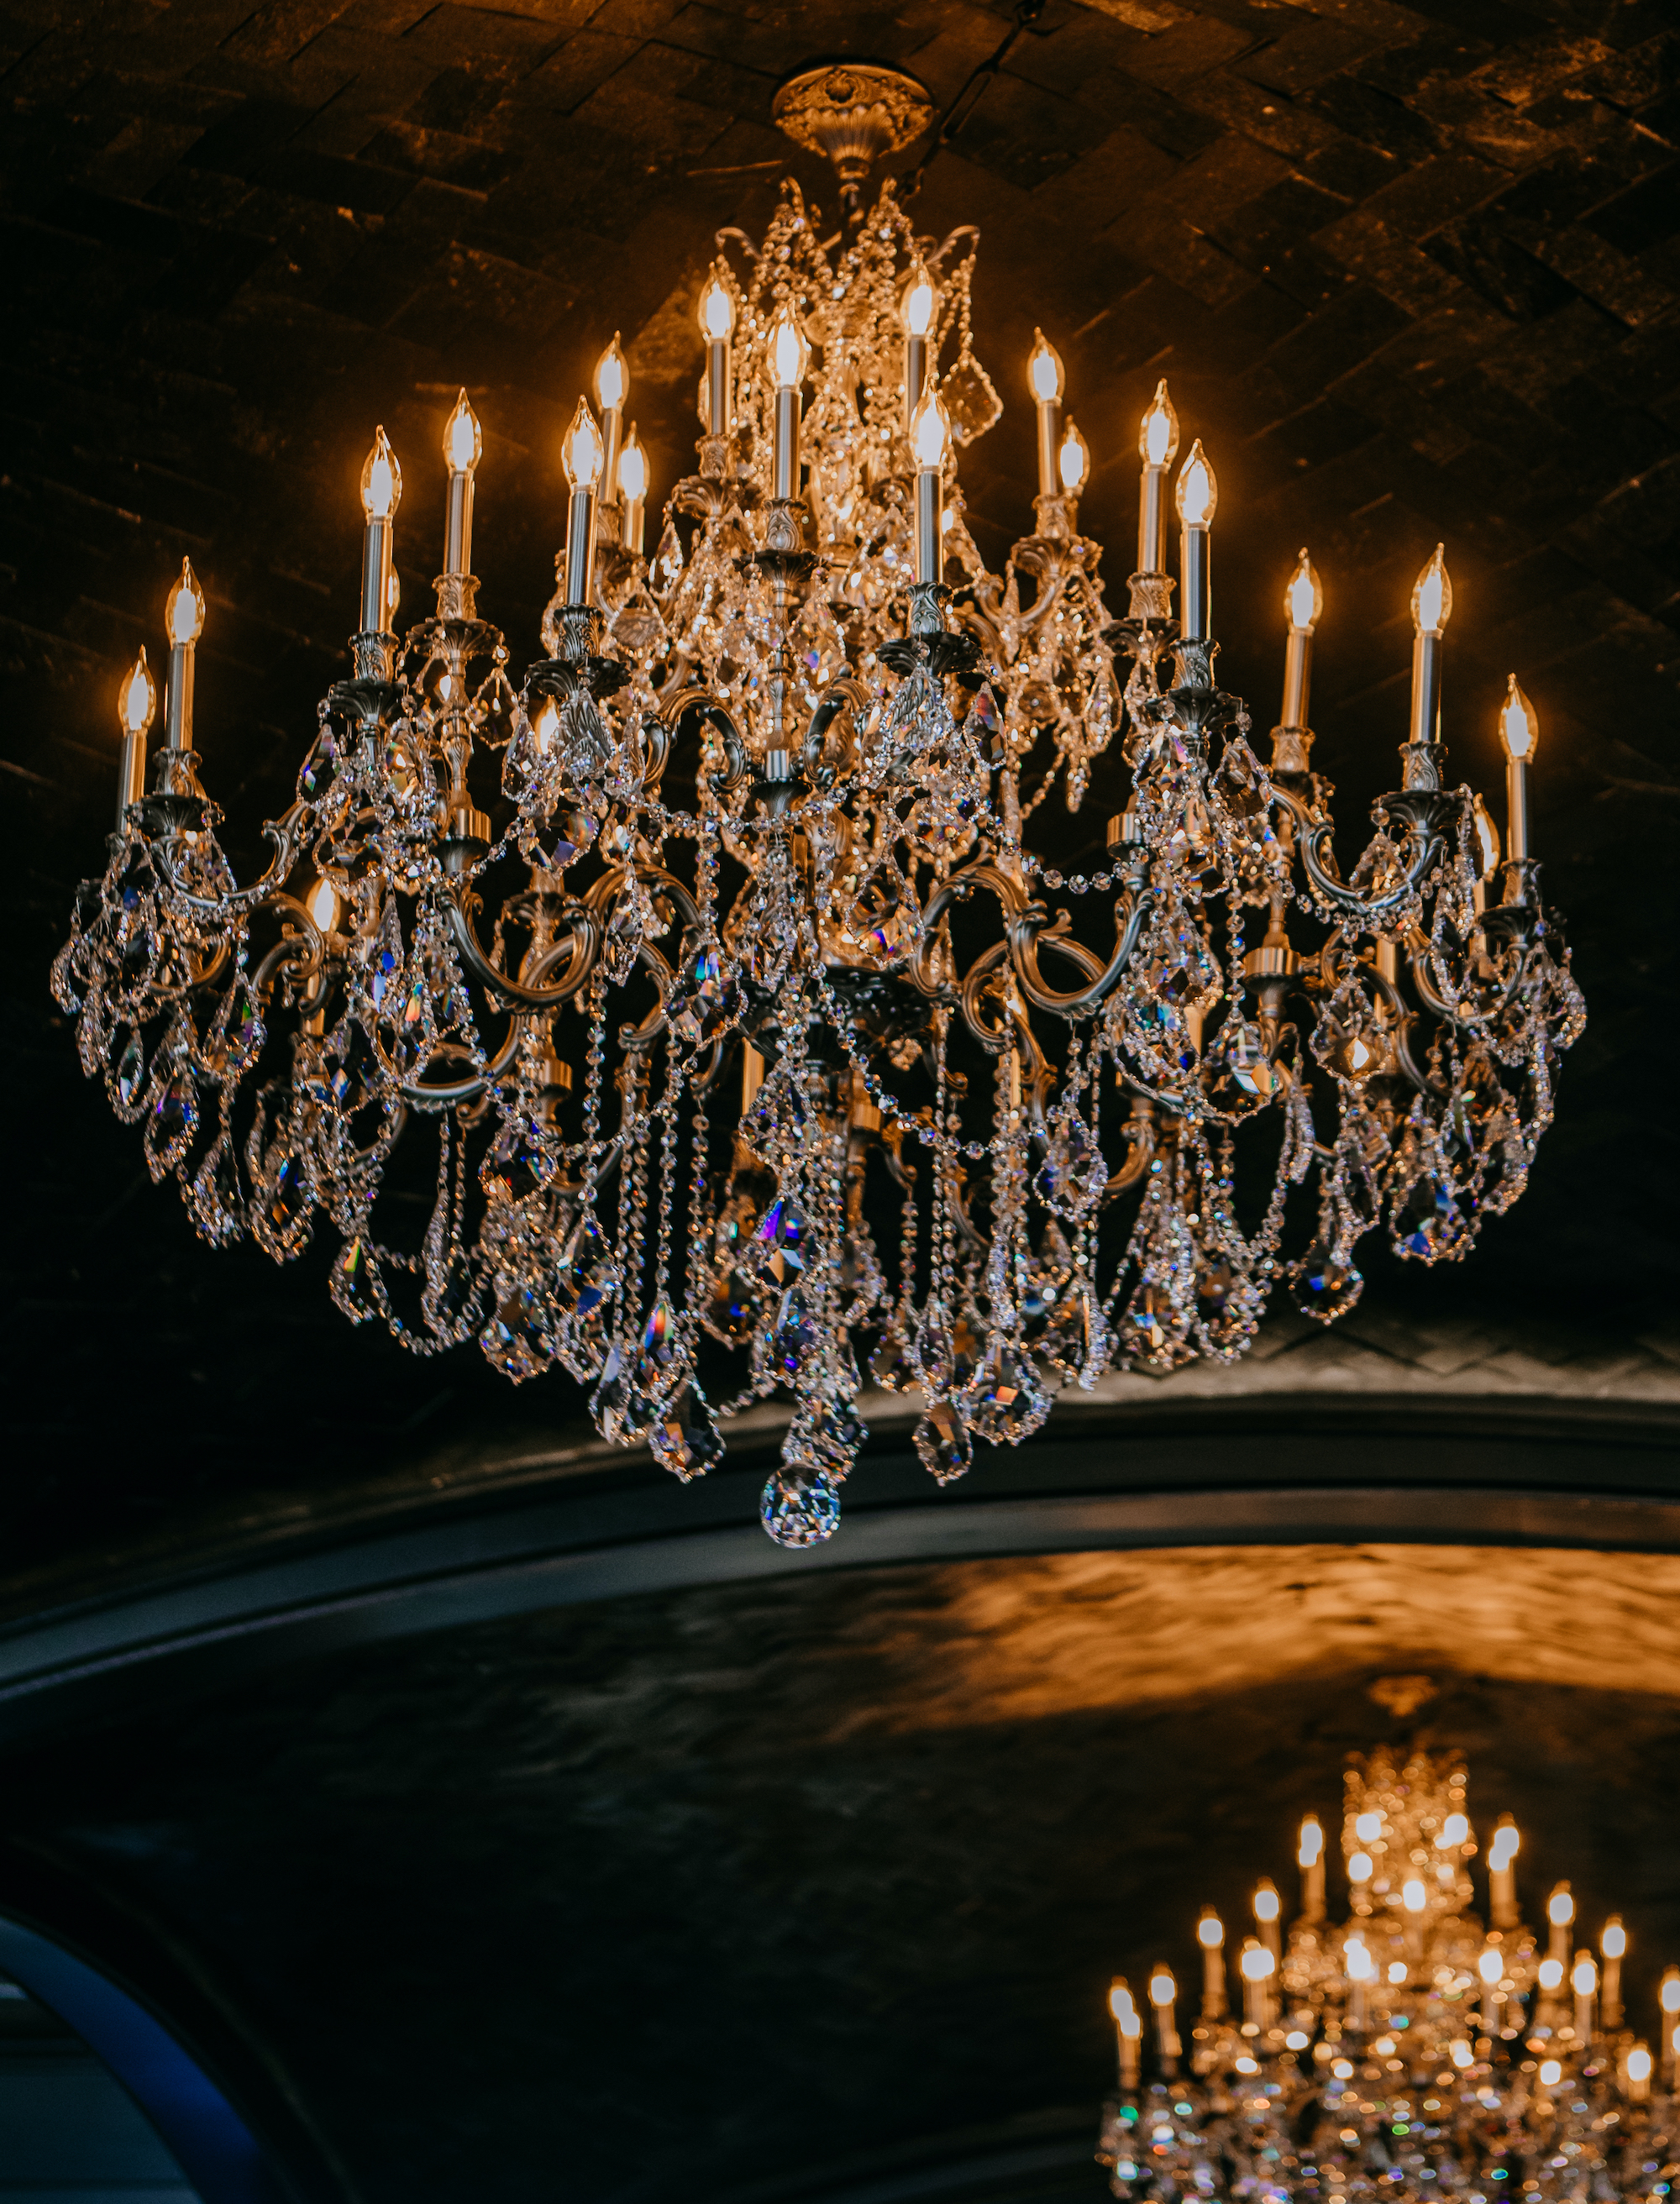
(1163, 1995)
(1519, 724)
(323, 905)
(1268, 1912)
(1303, 600)
(1431, 609)
(1303, 608)
(184, 617)
(1637, 2069)
(136, 709)
(930, 446)
(381, 480)
(717, 311)
(919, 303)
(1256, 1964)
(790, 354)
(1210, 1934)
(1128, 2029)
(184, 614)
(1560, 1912)
(1454, 1830)
(612, 388)
(1432, 595)
(581, 453)
(918, 309)
(1309, 1858)
(611, 377)
(1501, 1875)
(137, 699)
(463, 447)
(632, 484)
(463, 438)
(1584, 1981)
(1046, 380)
(1046, 376)
(1491, 1966)
(1414, 1894)
(1197, 497)
(1073, 459)
(382, 494)
(1157, 447)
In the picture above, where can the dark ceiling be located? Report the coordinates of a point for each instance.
(654, 1890)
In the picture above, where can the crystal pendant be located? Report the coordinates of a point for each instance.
(281, 1201)
(800, 1510)
(353, 1281)
(935, 1365)
(518, 1339)
(782, 1235)
(127, 1084)
(215, 1198)
(893, 1366)
(1073, 1174)
(943, 1443)
(704, 999)
(446, 1300)
(834, 1433)
(518, 1163)
(172, 1122)
(684, 1437)
(733, 1307)
(246, 1032)
(1427, 1223)
(1325, 1288)
(795, 1334)
(1005, 1403)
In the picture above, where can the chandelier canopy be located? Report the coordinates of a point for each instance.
(684, 975)
(1409, 2056)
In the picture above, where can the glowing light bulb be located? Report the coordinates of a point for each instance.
(1368, 1828)
(633, 468)
(611, 377)
(1461, 2053)
(717, 311)
(1303, 600)
(381, 480)
(1256, 1962)
(1045, 376)
(1158, 435)
(463, 439)
(1432, 595)
(137, 699)
(1551, 2073)
(1266, 1905)
(1357, 1962)
(919, 305)
(1198, 490)
(1584, 1978)
(1360, 1867)
(1210, 1934)
(546, 726)
(1560, 1908)
(1506, 1846)
(1311, 1848)
(1487, 839)
(1396, 1971)
(1668, 1996)
(1455, 1830)
(1550, 1974)
(1490, 1967)
(930, 431)
(1614, 1941)
(1413, 1895)
(1639, 2064)
(581, 452)
(1519, 725)
(1162, 1987)
(323, 905)
(790, 355)
(184, 612)
(1074, 460)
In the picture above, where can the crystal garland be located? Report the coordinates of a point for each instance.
(1409, 2054)
(833, 906)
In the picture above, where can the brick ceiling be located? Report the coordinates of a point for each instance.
(1413, 272)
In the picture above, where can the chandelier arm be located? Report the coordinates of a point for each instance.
(1400, 1033)
(466, 1090)
(1140, 1150)
(712, 708)
(1316, 843)
(282, 834)
(1025, 932)
(957, 887)
(583, 941)
(285, 950)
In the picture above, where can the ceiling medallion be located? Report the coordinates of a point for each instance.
(712, 986)
(854, 114)
(1409, 2055)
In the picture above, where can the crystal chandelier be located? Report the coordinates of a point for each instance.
(684, 976)
(1410, 2054)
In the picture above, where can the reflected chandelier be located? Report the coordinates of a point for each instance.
(678, 978)
(1409, 2056)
